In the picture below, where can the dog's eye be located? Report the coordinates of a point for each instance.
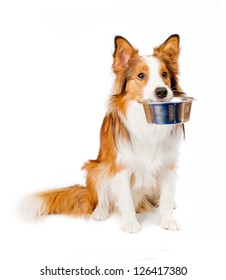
(141, 76)
(164, 75)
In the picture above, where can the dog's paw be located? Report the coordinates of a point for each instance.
(131, 226)
(170, 224)
(100, 214)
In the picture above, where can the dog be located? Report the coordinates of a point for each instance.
(135, 170)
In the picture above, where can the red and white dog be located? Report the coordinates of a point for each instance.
(135, 169)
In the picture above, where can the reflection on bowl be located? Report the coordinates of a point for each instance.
(175, 111)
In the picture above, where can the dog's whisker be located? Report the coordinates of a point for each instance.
(178, 92)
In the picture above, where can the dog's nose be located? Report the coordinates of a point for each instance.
(161, 92)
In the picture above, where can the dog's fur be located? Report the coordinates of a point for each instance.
(135, 169)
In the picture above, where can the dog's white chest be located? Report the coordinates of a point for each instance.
(149, 148)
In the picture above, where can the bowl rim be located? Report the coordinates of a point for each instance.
(181, 99)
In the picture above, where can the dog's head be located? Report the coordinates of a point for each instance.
(152, 77)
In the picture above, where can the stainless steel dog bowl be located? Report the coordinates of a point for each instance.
(175, 111)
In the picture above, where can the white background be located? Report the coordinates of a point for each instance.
(55, 78)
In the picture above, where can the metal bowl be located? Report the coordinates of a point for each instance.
(175, 111)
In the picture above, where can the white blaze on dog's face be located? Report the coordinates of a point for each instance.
(157, 87)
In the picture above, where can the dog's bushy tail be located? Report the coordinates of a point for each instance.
(72, 200)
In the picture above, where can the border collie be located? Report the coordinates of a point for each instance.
(135, 169)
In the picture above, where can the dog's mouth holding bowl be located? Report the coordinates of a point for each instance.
(175, 111)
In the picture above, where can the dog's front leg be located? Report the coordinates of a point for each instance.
(167, 181)
(120, 188)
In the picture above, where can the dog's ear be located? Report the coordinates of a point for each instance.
(124, 51)
(170, 49)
